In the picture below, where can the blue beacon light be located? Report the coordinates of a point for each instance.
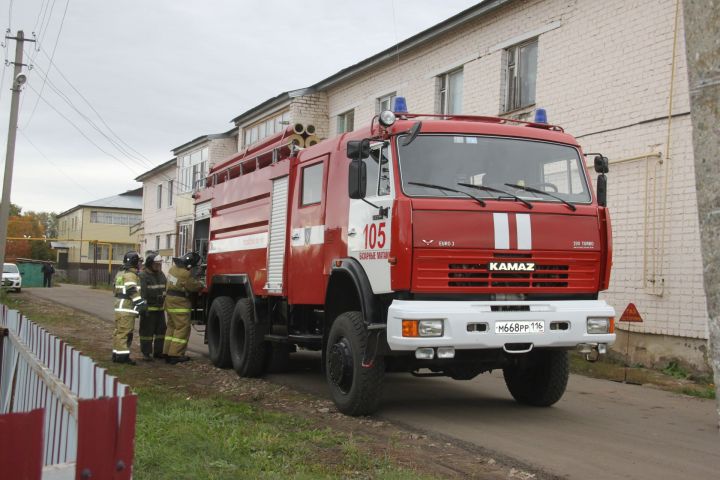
(541, 115)
(399, 105)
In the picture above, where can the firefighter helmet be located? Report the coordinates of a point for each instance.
(189, 260)
(153, 258)
(131, 259)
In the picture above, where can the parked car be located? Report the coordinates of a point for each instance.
(11, 277)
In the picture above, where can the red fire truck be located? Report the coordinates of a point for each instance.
(436, 245)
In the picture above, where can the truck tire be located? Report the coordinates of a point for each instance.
(354, 388)
(540, 379)
(218, 331)
(247, 342)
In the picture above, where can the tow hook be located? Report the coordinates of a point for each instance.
(592, 351)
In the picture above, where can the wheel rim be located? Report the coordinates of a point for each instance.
(340, 368)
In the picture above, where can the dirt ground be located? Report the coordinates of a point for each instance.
(429, 454)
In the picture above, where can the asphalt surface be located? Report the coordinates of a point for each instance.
(598, 430)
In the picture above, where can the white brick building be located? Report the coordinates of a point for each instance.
(613, 74)
(158, 213)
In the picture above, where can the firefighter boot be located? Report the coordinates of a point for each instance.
(123, 358)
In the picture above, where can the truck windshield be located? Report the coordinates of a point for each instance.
(495, 162)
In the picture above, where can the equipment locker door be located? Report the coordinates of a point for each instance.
(307, 233)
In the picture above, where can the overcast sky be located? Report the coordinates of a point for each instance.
(160, 73)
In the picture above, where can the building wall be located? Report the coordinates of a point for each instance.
(311, 109)
(222, 148)
(159, 221)
(605, 73)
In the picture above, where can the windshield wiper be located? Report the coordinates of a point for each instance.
(447, 189)
(535, 190)
(490, 189)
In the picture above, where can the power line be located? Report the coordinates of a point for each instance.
(80, 130)
(53, 163)
(57, 39)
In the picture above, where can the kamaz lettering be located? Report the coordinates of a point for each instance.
(520, 267)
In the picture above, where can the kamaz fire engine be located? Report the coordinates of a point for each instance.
(429, 244)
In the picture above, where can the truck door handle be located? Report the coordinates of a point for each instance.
(295, 236)
(352, 232)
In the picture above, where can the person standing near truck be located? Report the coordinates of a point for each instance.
(128, 304)
(152, 321)
(180, 284)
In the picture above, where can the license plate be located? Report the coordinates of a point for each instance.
(520, 327)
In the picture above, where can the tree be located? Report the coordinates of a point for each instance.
(30, 225)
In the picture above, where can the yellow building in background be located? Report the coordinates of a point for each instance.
(94, 236)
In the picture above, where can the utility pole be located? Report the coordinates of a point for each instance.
(18, 80)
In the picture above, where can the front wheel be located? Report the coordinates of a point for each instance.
(539, 379)
(355, 386)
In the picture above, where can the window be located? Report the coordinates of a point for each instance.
(494, 162)
(346, 121)
(450, 92)
(184, 238)
(113, 218)
(193, 169)
(378, 171)
(168, 240)
(100, 251)
(385, 102)
(159, 196)
(157, 242)
(521, 75)
(267, 127)
(170, 192)
(312, 184)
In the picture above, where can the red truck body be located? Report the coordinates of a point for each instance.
(289, 246)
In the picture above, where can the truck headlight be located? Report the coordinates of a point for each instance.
(422, 328)
(600, 325)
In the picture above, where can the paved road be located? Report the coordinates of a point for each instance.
(599, 430)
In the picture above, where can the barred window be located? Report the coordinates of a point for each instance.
(521, 72)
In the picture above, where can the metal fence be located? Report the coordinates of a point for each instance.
(61, 416)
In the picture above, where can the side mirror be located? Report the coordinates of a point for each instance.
(601, 188)
(412, 134)
(357, 178)
(358, 149)
(601, 164)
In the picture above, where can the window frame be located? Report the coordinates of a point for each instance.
(381, 99)
(170, 192)
(514, 76)
(444, 92)
(159, 194)
(342, 121)
(304, 169)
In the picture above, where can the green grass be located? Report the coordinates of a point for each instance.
(213, 438)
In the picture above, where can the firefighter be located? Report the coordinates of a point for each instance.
(128, 304)
(152, 322)
(180, 284)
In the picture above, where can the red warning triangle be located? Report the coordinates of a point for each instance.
(631, 314)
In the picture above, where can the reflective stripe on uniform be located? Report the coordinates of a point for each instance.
(176, 340)
(146, 338)
(155, 309)
(121, 352)
(178, 310)
(126, 310)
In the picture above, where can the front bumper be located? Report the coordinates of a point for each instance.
(457, 316)
(12, 283)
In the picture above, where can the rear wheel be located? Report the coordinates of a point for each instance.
(539, 379)
(218, 331)
(247, 342)
(355, 388)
